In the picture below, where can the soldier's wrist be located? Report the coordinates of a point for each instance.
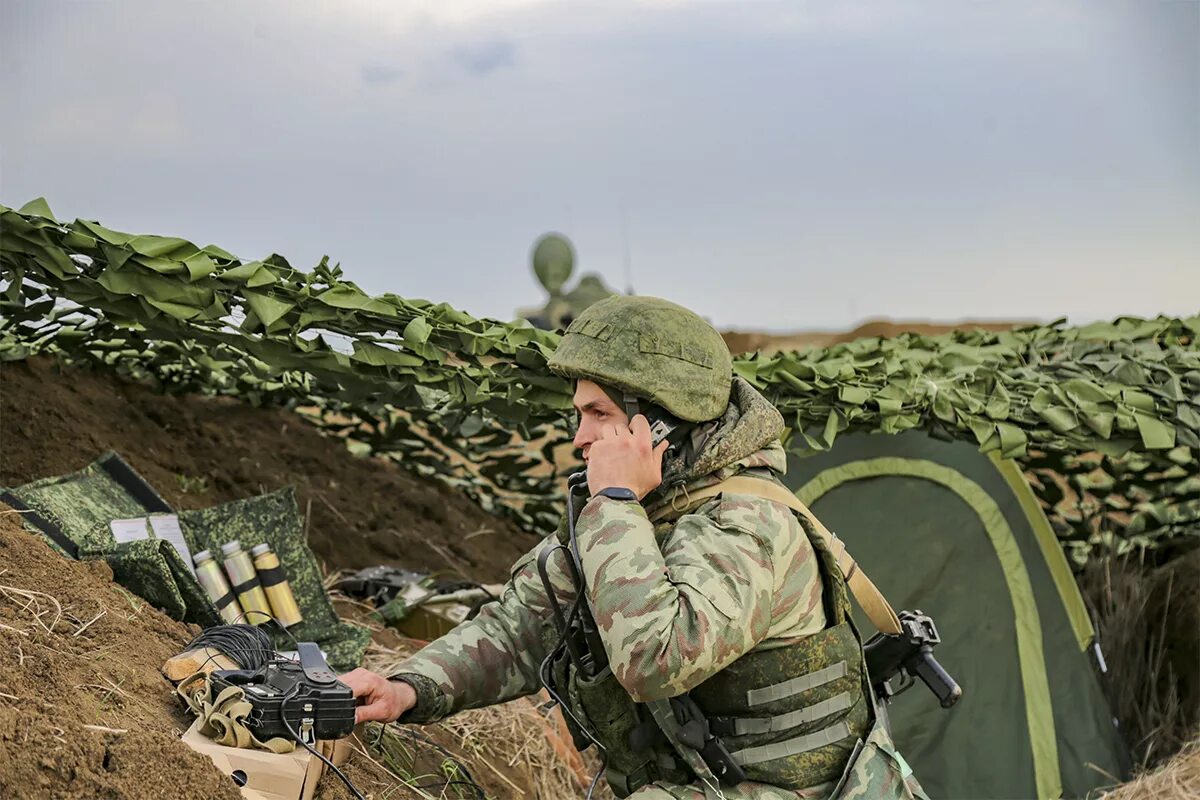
(431, 704)
(620, 493)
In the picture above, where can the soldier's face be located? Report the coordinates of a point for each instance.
(595, 410)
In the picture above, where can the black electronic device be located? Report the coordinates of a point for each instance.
(290, 699)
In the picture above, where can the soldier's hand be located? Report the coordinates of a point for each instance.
(624, 457)
(379, 700)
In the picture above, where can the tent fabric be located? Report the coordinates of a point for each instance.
(82, 504)
(1056, 561)
(1020, 592)
(924, 517)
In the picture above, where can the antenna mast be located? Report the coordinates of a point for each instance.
(628, 259)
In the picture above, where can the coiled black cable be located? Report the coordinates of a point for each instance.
(248, 645)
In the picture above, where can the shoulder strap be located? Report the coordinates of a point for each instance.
(872, 601)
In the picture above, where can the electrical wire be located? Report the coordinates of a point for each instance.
(277, 625)
(248, 645)
(468, 779)
(595, 781)
(291, 694)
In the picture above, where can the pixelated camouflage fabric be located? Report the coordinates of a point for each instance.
(275, 519)
(724, 695)
(652, 348)
(82, 504)
(154, 570)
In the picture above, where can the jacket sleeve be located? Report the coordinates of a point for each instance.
(490, 659)
(672, 613)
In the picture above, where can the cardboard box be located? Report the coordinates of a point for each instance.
(266, 775)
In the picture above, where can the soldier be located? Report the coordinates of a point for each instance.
(711, 652)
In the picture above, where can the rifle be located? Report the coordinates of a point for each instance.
(908, 656)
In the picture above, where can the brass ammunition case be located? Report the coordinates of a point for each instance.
(212, 579)
(240, 569)
(275, 584)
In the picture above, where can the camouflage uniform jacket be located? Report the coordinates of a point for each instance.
(674, 603)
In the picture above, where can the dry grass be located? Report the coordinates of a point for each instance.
(519, 736)
(520, 747)
(1148, 624)
(1178, 779)
(37, 604)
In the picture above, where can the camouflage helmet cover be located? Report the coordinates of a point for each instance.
(653, 349)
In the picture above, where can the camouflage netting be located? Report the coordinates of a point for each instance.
(1105, 418)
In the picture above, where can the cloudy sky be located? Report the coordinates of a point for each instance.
(772, 165)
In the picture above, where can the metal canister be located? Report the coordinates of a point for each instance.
(209, 574)
(275, 583)
(240, 569)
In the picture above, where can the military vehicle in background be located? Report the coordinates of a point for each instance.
(553, 259)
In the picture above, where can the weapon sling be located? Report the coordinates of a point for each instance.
(873, 603)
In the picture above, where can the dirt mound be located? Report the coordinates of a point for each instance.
(200, 451)
(84, 711)
(749, 341)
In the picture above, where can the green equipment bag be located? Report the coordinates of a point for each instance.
(73, 512)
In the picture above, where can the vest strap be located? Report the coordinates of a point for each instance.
(748, 726)
(801, 683)
(792, 747)
(872, 601)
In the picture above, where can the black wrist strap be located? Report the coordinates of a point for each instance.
(621, 493)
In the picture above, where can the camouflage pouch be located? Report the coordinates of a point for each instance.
(79, 505)
(878, 772)
(612, 716)
(153, 570)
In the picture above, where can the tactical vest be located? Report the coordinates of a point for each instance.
(791, 716)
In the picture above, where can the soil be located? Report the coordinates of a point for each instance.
(75, 651)
(78, 651)
(201, 451)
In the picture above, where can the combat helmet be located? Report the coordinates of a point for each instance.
(653, 349)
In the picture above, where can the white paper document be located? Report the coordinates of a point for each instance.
(163, 526)
(129, 530)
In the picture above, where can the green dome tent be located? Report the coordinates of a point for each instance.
(942, 528)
